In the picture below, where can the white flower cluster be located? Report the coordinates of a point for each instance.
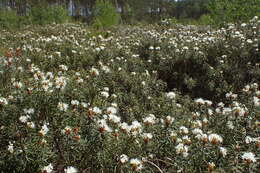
(70, 169)
(47, 169)
(3, 101)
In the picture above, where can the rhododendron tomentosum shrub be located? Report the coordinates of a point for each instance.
(130, 99)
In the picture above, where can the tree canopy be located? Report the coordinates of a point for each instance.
(150, 10)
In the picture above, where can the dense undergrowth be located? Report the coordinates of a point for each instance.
(134, 98)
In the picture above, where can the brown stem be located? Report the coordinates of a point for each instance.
(61, 159)
(159, 169)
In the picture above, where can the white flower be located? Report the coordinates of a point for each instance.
(136, 126)
(255, 18)
(210, 111)
(58, 53)
(43, 141)
(133, 73)
(215, 139)
(60, 82)
(185, 48)
(97, 110)
(249, 157)
(62, 106)
(173, 135)
(178, 140)
(103, 127)
(197, 131)
(104, 94)
(44, 130)
(248, 139)
(74, 102)
(17, 85)
(80, 80)
(168, 120)
(181, 148)
(106, 69)
(30, 125)
(226, 110)
(24, 118)
(246, 88)
(200, 101)
(113, 118)
(3, 101)
(205, 121)
(231, 95)
(203, 137)
(29, 111)
(223, 151)
(196, 124)
(249, 41)
(136, 164)
(46, 84)
(208, 102)
(97, 49)
(184, 130)
(186, 140)
(111, 110)
(239, 111)
(49, 75)
(114, 95)
(221, 104)
(63, 67)
(66, 130)
(243, 24)
(211, 166)
(124, 158)
(125, 127)
(147, 136)
(94, 71)
(10, 147)
(106, 89)
(70, 169)
(47, 169)
(114, 104)
(149, 120)
(170, 95)
(84, 105)
(256, 101)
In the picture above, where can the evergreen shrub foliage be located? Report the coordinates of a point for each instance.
(225, 11)
(130, 99)
(105, 14)
(9, 19)
(46, 15)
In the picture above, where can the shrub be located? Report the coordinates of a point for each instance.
(105, 14)
(60, 14)
(9, 19)
(47, 15)
(205, 20)
(225, 11)
(141, 98)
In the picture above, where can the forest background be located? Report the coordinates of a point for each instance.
(18, 13)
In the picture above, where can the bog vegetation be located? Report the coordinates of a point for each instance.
(161, 97)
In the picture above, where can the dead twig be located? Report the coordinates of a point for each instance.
(159, 169)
